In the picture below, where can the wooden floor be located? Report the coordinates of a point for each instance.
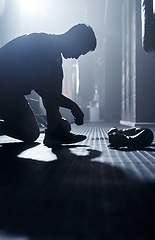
(84, 191)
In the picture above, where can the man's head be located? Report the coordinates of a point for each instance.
(78, 40)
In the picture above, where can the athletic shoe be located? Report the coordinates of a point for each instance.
(65, 138)
(62, 135)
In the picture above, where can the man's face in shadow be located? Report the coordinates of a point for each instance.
(74, 50)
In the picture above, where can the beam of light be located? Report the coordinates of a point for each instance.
(32, 7)
(34, 154)
(2, 6)
(80, 151)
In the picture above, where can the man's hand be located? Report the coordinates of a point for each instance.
(78, 115)
(65, 102)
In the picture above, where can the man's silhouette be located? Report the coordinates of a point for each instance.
(34, 62)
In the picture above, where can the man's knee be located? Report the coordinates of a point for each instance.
(31, 136)
(31, 133)
(29, 130)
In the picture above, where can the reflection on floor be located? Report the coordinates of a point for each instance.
(84, 191)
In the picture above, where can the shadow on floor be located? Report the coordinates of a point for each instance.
(72, 198)
(150, 148)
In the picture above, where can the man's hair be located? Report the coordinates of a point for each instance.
(84, 34)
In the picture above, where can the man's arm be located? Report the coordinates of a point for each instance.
(65, 102)
(75, 109)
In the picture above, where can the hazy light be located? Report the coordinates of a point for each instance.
(2, 6)
(78, 151)
(32, 7)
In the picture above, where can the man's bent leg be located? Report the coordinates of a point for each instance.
(26, 129)
(18, 119)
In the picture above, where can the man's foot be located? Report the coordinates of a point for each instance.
(65, 138)
(62, 135)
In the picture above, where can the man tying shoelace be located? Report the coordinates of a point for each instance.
(34, 62)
